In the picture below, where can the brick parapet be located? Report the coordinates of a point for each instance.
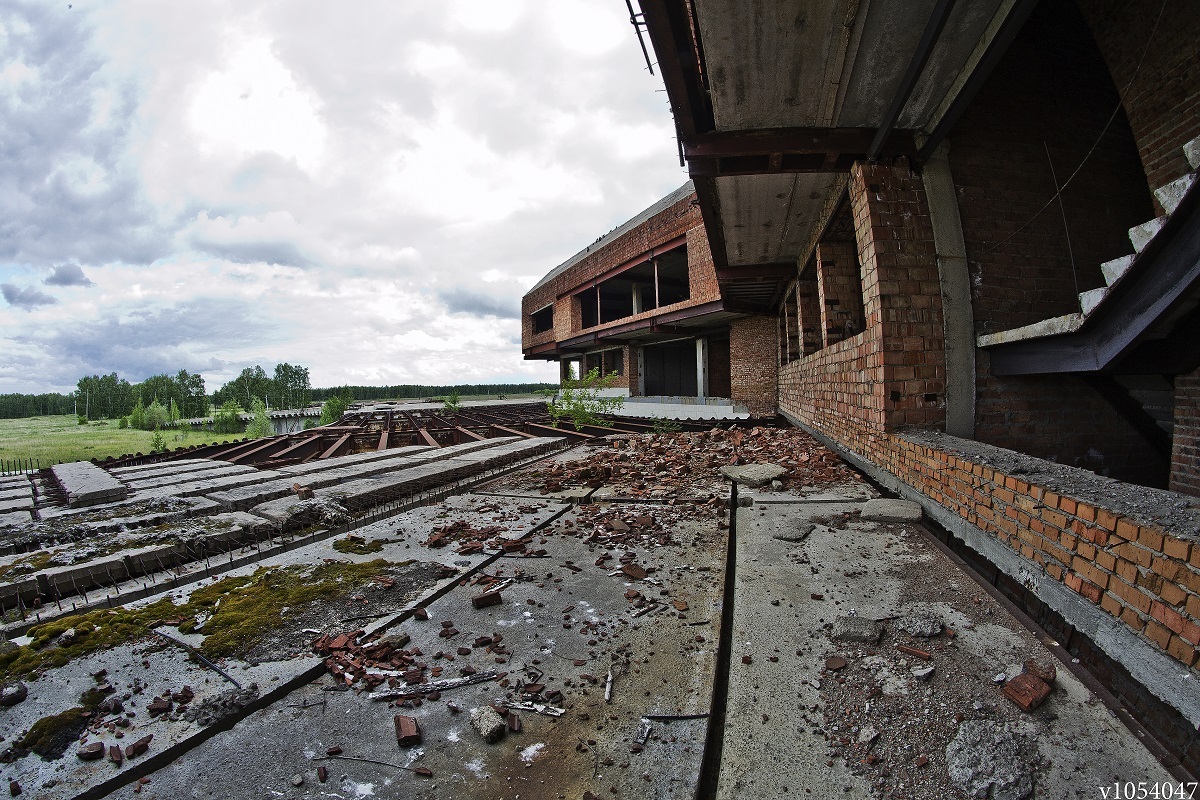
(1138, 570)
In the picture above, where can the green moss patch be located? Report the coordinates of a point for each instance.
(25, 565)
(359, 545)
(240, 609)
(51, 736)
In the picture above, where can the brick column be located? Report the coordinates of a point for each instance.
(809, 305)
(839, 291)
(754, 362)
(903, 305)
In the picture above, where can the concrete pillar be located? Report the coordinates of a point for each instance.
(637, 298)
(958, 318)
(701, 368)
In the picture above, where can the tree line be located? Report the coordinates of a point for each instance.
(406, 391)
(164, 398)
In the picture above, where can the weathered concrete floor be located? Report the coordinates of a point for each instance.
(566, 629)
(871, 729)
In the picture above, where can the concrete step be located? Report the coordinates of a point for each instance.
(1113, 270)
(1090, 299)
(1169, 196)
(1192, 151)
(1141, 235)
(85, 484)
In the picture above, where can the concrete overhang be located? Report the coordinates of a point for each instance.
(774, 101)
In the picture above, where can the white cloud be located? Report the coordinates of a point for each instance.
(366, 189)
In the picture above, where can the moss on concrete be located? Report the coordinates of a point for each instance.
(50, 737)
(358, 545)
(240, 609)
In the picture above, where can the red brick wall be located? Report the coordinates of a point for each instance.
(1052, 90)
(839, 289)
(753, 362)
(808, 301)
(1161, 97)
(893, 373)
(1126, 563)
(1185, 452)
(680, 219)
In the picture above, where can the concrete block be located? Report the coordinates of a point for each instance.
(754, 475)
(1141, 235)
(856, 629)
(1169, 196)
(1113, 270)
(85, 484)
(884, 510)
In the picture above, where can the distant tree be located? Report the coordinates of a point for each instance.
(333, 408)
(122, 422)
(193, 401)
(451, 404)
(137, 417)
(228, 418)
(159, 443)
(173, 412)
(260, 423)
(290, 387)
(156, 416)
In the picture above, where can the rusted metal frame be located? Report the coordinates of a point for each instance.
(424, 436)
(1162, 280)
(996, 49)
(570, 433)
(257, 453)
(600, 430)
(916, 66)
(309, 442)
(336, 447)
(669, 26)
(511, 432)
(230, 450)
(469, 434)
(758, 272)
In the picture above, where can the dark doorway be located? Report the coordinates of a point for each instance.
(670, 368)
(718, 368)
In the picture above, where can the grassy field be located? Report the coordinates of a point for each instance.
(53, 440)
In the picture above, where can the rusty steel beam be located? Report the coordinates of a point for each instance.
(336, 447)
(472, 435)
(512, 432)
(426, 438)
(551, 431)
(291, 452)
(255, 453)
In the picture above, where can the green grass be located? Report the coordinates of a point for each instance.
(55, 440)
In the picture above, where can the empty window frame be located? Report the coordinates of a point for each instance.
(543, 319)
(661, 281)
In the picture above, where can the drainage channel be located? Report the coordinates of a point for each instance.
(714, 740)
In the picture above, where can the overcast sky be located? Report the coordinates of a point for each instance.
(364, 188)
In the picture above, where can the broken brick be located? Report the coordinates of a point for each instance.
(487, 599)
(408, 732)
(914, 652)
(91, 751)
(115, 755)
(1027, 691)
(420, 613)
(139, 747)
(834, 663)
(634, 571)
(322, 773)
(1047, 672)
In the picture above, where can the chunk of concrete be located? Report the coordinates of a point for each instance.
(891, 511)
(856, 629)
(920, 624)
(754, 475)
(987, 759)
(488, 723)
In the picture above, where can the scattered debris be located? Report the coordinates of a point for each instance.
(988, 759)
(856, 629)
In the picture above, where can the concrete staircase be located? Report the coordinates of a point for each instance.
(1169, 197)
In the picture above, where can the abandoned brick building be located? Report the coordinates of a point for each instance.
(960, 243)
